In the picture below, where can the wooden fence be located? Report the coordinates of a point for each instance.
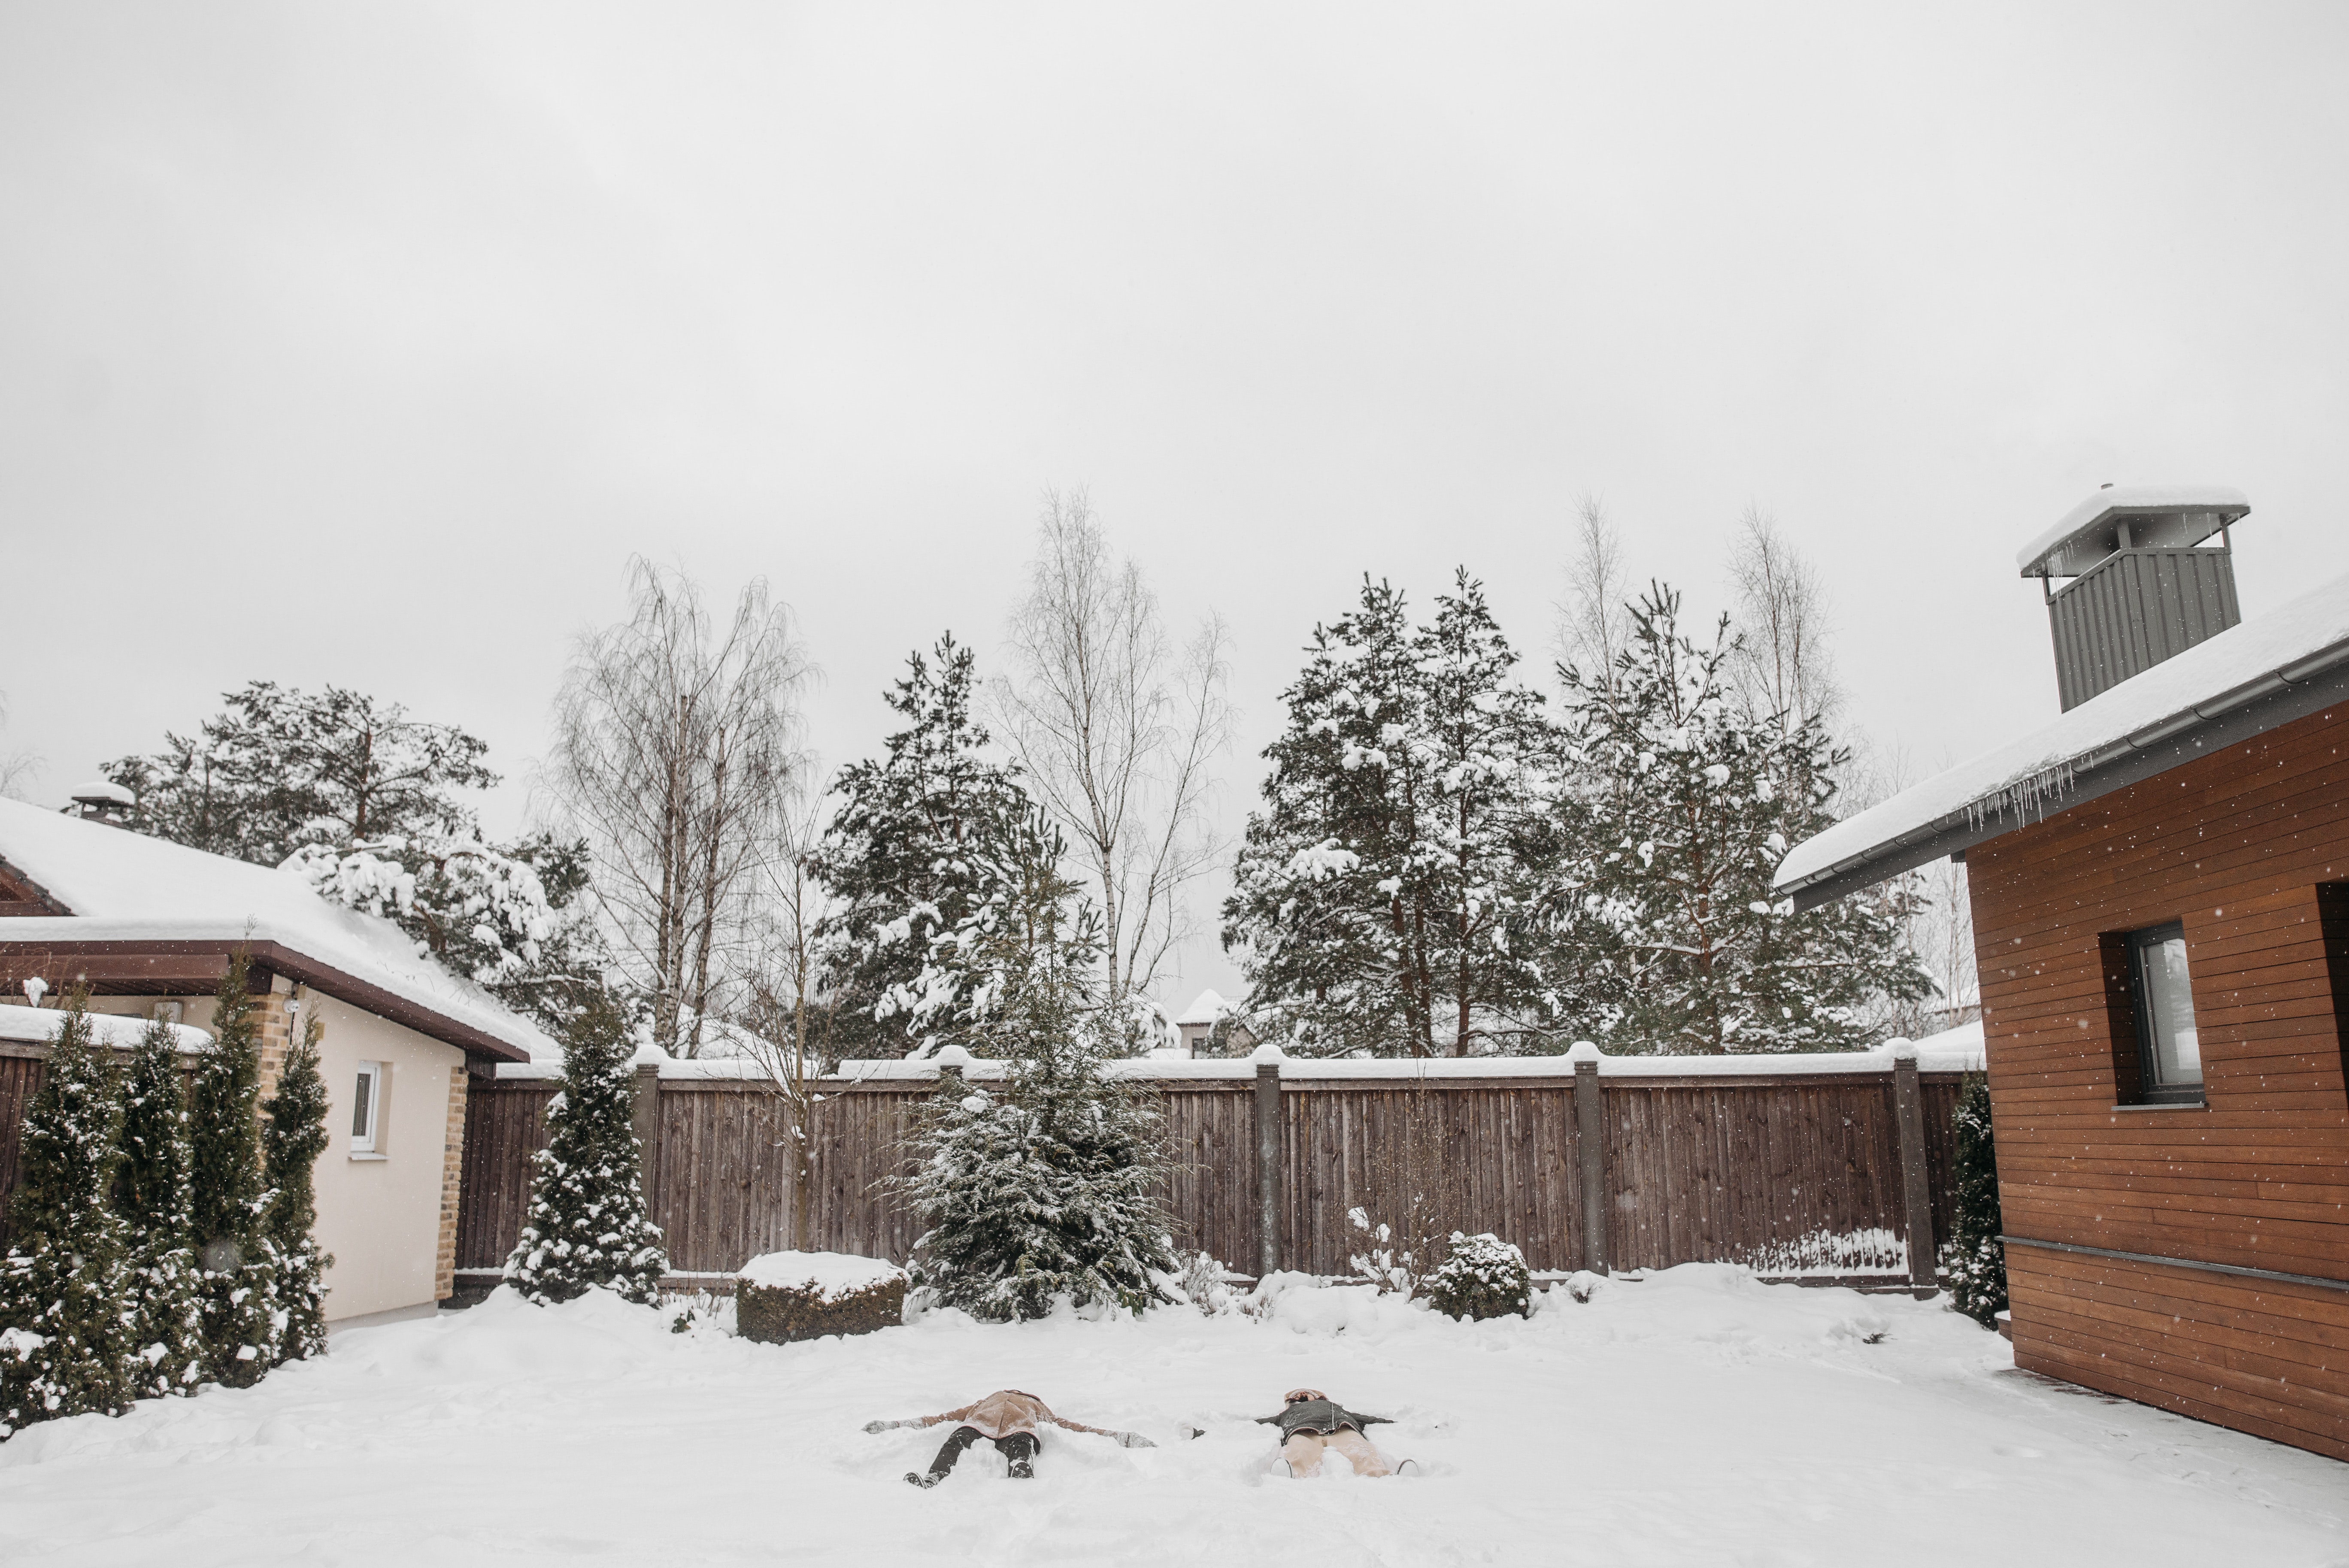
(1799, 1166)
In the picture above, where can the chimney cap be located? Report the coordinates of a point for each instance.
(2167, 517)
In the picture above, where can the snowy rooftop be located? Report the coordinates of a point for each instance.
(39, 1026)
(2169, 517)
(1207, 1007)
(123, 886)
(2170, 711)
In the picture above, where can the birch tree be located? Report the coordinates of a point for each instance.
(1115, 727)
(677, 746)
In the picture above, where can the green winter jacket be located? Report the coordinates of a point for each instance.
(1320, 1416)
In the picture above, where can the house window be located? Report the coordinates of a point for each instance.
(2170, 1053)
(366, 1109)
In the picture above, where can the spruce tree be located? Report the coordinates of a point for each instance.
(588, 1226)
(1048, 1188)
(236, 1280)
(1386, 896)
(908, 855)
(151, 1195)
(1687, 803)
(294, 1137)
(1973, 1260)
(66, 1304)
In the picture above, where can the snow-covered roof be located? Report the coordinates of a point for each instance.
(2286, 665)
(1207, 1007)
(126, 887)
(39, 1026)
(2161, 517)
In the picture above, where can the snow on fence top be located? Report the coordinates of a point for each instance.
(124, 887)
(39, 1027)
(2029, 778)
(1954, 1050)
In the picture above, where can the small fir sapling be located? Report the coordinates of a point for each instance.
(151, 1195)
(1047, 1189)
(66, 1301)
(1482, 1276)
(236, 1282)
(1973, 1261)
(588, 1226)
(293, 1138)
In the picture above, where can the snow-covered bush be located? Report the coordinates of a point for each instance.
(64, 1287)
(237, 1279)
(292, 1141)
(587, 1225)
(151, 1195)
(1973, 1261)
(1482, 1276)
(1203, 1285)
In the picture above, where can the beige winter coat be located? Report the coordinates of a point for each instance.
(1006, 1411)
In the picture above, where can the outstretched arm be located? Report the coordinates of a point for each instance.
(922, 1420)
(1124, 1440)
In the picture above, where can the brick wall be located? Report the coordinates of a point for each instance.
(452, 1177)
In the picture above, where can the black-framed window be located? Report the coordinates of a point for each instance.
(2170, 1051)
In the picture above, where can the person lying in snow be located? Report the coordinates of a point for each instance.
(1311, 1421)
(1008, 1419)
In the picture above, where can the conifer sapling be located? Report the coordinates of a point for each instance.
(588, 1226)
(1973, 1260)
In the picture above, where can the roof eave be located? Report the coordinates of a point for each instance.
(2306, 687)
(169, 961)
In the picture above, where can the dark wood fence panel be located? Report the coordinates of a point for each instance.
(505, 1124)
(20, 1080)
(1794, 1174)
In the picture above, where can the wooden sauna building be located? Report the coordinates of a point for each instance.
(2160, 897)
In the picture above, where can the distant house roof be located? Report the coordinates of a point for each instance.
(1207, 1007)
(39, 1026)
(115, 899)
(2288, 664)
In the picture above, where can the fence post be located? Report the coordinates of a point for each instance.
(1590, 1151)
(647, 1112)
(1908, 1118)
(1267, 1057)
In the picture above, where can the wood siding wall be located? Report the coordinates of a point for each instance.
(1797, 1174)
(2243, 846)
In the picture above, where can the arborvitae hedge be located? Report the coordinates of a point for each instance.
(66, 1301)
(237, 1283)
(151, 1195)
(294, 1139)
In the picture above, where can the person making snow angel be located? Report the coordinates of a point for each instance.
(1310, 1422)
(1008, 1419)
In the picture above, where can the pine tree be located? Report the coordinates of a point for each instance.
(908, 855)
(294, 1137)
(236, 1283)
(1973, 1260)
(1047, 1189)
(66, 1303)
(587, 1227)
(151, 1195)
(1688, 803)
(1386, 894)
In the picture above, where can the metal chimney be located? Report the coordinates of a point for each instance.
(2143, 586)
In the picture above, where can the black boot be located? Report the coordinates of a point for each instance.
(926, 1481)
(1020, 1449)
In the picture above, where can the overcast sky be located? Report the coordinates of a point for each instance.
(364, 344)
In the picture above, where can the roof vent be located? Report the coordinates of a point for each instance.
(2144, 586)
(100, 801)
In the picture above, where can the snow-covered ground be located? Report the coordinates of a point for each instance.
(1693, 1417)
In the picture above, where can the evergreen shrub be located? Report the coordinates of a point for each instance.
(151, 1195)
(1481, 1277)
(292, 1141)
(1973, 1261)
(237, 1272)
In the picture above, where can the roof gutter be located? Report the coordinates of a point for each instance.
(211, 961)
(2292, 691)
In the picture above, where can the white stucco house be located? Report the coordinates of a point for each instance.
(150, 925)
